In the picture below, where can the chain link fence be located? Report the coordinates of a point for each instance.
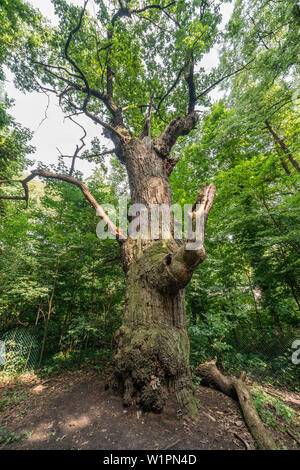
(20, 349)
(266, 354)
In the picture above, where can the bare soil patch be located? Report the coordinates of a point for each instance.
(73, 411)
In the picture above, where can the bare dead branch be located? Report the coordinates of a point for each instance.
(146, 132)
(78, 147)
(193, 252)
(46, 110)
(176, 269)
(141, 106)
(24, 183)
(238, 389)
(91, 155)
(114, 230)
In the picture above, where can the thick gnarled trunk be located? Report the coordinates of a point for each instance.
(152, 343)
(152, 357)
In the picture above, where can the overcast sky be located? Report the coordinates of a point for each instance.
(53, 132)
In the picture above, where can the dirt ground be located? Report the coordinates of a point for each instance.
(73, 411)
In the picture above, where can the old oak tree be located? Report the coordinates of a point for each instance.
(134, 68)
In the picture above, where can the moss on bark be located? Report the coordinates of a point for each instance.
(152, 357)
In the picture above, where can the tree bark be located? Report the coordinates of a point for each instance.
(152, 357)
(283, 146)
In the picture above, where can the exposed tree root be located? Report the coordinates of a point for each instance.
(237, 389)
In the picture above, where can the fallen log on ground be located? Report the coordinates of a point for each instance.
(237, 389)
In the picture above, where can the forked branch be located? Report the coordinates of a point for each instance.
(146, 132)
(85, 87)
(179, 126)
